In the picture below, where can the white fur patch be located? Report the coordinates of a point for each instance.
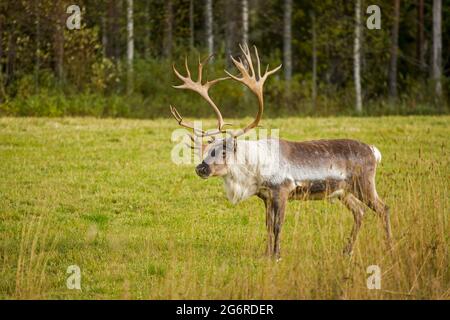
(253, 160)
(376, 153)
(240, 184)
(259, 162)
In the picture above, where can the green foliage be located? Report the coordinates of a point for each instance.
(57, 104)
(153, 93)
(82, 53)
(93, 74)
(105, 76)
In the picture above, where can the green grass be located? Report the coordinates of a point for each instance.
(104, 195)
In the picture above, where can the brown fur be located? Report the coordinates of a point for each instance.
(358, 186)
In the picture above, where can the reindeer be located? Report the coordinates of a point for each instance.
(278, 170)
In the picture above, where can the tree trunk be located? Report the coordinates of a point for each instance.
(11, 57)
(357, 57)
(168, 29)
(2, 87)
(314, 60)
(209, 26)
(394, 53)
(287, 40)
(1, 43)
(230, 30)
(437, 50)
(420, 37)
(104, 35)
(147, 29)
(58, 38)
(130, 45)
(113, 48)
(191, 24)
(244, 21)
(37, 64)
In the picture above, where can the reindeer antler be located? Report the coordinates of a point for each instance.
(202, 90)
(254, 81)
(249, 77)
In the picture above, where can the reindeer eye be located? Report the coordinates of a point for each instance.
(213, 153)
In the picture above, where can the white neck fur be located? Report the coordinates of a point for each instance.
(246, 175)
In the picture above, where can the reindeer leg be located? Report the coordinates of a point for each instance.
(358, 209)
(269, 226)
(279, 206)
(370, 197)
(382, 210)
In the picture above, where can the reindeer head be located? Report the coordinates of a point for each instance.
(216, 158)
(219, 154)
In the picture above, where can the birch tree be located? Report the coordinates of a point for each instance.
(287, 40)
(58, 38)
(437, 49)
(191, 24)
(113, 29)
(209, 26)
(38, 44)
(147, 35)
(357, 57)
(314, 59)
(394, 53)
(2, 88)
(230, 30)
(168, 29)
(244, 21)
(130, 45)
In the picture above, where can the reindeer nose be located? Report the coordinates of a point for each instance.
(203, 170)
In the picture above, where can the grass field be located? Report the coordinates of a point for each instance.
(105, 196)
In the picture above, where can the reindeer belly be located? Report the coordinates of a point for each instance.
(317, 189)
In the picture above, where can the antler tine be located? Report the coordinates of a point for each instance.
(187, 67)
(248, 56)
(175, 114)
(258, 62)
(188, 125)
(201, 64)
(179, 76)
(209, 84)
(240, 66)
(200, 70)
(268, 73)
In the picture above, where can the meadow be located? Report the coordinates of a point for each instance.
(103, 194)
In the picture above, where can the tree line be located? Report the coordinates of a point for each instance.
(118, 62)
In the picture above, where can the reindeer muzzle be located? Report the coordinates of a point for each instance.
(203, 170)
